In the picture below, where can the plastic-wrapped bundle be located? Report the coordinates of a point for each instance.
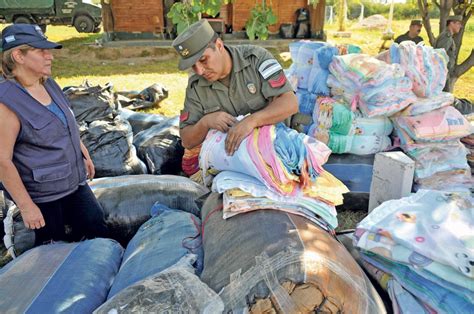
(127, 200)
(160, 147)
(110, 146)
(159, 243)
(306, 101)
(60, 278)
(422, 105)
(302, 54)
(425, 66)
(268, 260)
(358, 144)
(432, 158)
(338, 118)
(318, 75)
(141, 121)
(374, 86)
(443, 124)
(174, 290)
(413, 240)
(454, 180)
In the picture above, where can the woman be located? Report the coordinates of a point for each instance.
(43, 163)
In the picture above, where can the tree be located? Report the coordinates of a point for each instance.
(463, 8)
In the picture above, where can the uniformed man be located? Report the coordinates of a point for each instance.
(229, 82)
(445, 40)
(413, 33)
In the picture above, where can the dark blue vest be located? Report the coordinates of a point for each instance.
(47, 153)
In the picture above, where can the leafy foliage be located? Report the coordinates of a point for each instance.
(261, 17)
(188, 12)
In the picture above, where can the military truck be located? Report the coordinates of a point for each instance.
(83, 15)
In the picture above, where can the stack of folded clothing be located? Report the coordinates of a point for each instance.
(281, 160)
(420, 249)
(375, 87)
(425, 66)
(432, 140)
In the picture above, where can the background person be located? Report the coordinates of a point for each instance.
(43, 163)
(445, 40)
(228, 82)
(413, 33)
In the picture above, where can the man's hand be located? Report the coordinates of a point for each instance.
(221, 121)
(236, 135)
(90, 169)
(32, 217)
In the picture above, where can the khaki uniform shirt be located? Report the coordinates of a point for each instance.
(405, 37)
(445, 40)
(256, 77)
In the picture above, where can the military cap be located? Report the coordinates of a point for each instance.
(416, 22)
(457, 18)
(26, 34)
(192, 42)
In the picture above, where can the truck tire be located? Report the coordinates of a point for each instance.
(22, 20)
(84, 24)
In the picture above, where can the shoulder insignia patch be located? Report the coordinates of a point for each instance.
(269, 67)
(278, 81)
(184, 116)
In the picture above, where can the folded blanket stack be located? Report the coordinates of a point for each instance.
(420, 249)
(425, 66)
(281, 160)
(432, 140)
(375, 87)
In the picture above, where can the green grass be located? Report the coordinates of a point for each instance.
(135, 68)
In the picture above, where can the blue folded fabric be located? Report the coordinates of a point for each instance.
(436, 296)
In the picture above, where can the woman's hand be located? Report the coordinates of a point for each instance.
(32, 217)
(90, 169)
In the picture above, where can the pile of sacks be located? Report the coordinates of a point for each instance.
(420, 250)
(275, 163)
(120, 141)
(259, 262)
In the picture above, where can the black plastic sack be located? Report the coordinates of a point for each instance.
(91, 103)
(147, 98)
(17, 238)
(127, 200)
(160, 147)
(141, 121)
(464, 106)
(110, 145)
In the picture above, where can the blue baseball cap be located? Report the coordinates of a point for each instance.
(26, 34)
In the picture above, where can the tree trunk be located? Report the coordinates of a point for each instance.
(445, 7)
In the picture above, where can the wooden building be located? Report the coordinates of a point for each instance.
(148, 16)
